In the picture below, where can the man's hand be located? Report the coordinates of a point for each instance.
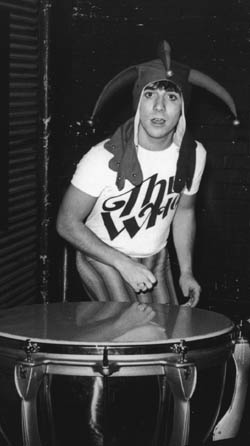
(137, 275)
(190, 288)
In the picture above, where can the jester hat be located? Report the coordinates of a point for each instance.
(162, 68)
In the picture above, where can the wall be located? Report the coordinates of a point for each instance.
(213, 37)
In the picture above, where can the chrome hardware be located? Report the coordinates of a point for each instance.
(105, 368)
(182, 350)
(23, 372)
(29, 348)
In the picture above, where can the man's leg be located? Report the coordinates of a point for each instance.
(104, 283)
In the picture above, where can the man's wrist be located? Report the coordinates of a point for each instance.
(119, 259)
(186, 272)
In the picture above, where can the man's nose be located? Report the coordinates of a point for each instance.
(159, 103)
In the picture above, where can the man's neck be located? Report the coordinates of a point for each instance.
(155, 145)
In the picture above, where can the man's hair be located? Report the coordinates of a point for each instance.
(163, 85)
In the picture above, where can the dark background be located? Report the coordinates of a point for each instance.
(56, 56)
(94, 40)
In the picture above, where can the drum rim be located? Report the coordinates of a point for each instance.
(90, 344)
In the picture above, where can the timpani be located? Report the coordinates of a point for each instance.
(184, 350)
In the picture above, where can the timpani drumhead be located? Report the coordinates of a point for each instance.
(95, 324)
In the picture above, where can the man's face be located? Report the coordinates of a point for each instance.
(160, 110)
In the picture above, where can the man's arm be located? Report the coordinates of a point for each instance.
(184, 228)
(75, 207)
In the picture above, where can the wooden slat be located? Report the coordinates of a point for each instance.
(19, 253)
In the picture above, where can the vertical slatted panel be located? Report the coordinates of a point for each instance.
(19, 243)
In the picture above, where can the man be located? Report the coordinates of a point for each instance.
(128, 190)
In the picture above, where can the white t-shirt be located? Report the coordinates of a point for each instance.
(137, 219)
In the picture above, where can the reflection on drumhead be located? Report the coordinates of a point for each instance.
(119, 323)
(146, 333)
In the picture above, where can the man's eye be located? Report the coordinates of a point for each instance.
(172, 97)
(148, 94)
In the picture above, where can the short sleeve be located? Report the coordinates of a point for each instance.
(90, 174)
(199, 169)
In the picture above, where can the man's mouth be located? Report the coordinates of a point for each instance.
(158, 121)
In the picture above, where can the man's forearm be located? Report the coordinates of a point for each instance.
(75, 207)
(84, 240)
(184, 229)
